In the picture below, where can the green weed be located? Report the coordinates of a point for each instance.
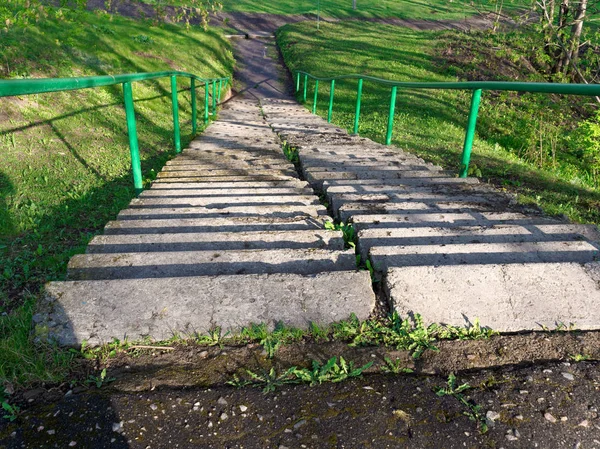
(291, 153)
(395, 367)
(213, 337)
(580, 357)
(348, 232)
(329, 372)
(99, 380)
(473, 410)
(11, 411)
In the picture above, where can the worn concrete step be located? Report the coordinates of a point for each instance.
(234, 213)
(216, 179)
(238, 157)
(220, 143)
(312, 165)
(191, 225)
(497, 234)
(507, 298)
(250, 185)
(135, 309)
(385, 257)
(316, 178)
(225, 201)
(204, 166)
(226, 193)
(443, 219)
(348, 211)
(379, 186)
(247, 172)
(223, 210)
(215, 241)
(208, 263)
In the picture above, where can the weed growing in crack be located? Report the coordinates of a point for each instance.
(99, 380)
(291, 153)
(580, 357)
(395, 367)
(348, 232)
(473, 410)
(408, 334)
(332, 371)
(11, 411)
(214, 337)
(271, 341)
(269, 381)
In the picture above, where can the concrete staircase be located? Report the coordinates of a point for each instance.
(227, 235)
(450, 249)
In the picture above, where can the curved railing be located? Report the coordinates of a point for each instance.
(475, 86)
(43, 85)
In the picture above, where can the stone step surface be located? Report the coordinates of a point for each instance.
(160, 308)
(215, 241)
(198, 225)
(226, 236)
(450, 249)
(508, 298)
(208, 263)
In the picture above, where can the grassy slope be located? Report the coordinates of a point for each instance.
(64, 157)
(342, 9)
(431, 123)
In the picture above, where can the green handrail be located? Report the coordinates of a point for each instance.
(477, 87)
(10, 88)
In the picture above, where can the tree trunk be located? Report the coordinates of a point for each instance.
(353, 4)
(572, 51)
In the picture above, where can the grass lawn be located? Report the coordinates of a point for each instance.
(342, 9)
(522, 142)
(64, 157)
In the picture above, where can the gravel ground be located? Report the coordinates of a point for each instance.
(546, 406)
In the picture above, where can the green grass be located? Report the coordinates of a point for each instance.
(342, 9)
(431, 123)
(64, 157)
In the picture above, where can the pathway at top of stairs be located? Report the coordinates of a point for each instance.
(227, 235)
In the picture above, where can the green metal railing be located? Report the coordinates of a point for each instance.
(475, 86)
(43, 85)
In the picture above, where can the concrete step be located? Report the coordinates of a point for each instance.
(225, 193)
(443, 219)
(135, 309)
(316, 178)
(467, 235)
(417, 206)
(313, 164)
(234, 213)
(225, 201)
(250, 185)
(197, 225)
(379, 186)
(216, 179)
(208, 263)
(217, 241)
(240, 165)
(506, 298)
(208, 173)
(386, 257)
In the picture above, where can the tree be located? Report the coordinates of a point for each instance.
(562, 27)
